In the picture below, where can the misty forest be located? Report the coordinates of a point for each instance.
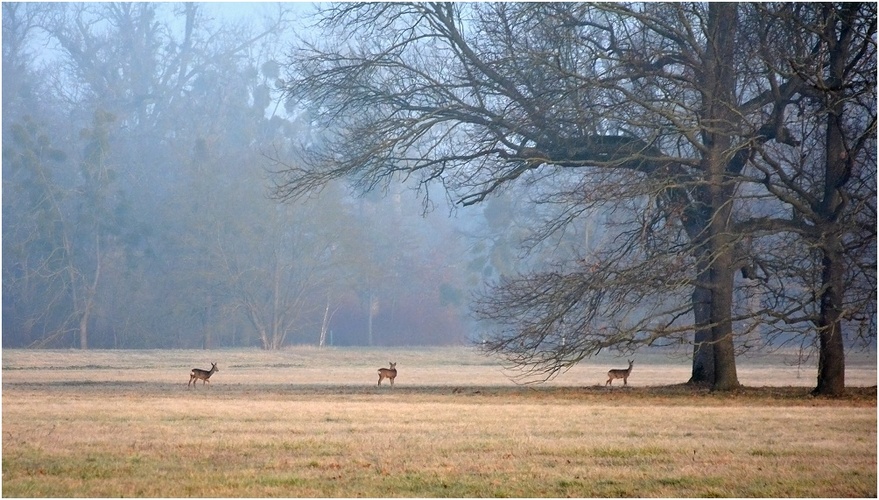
(545, 180)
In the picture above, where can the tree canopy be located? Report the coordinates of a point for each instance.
(691, 124)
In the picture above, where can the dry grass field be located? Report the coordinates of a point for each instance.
(308, 422)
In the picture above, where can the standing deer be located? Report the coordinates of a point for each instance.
(203, 375)
(387, 373)
(618, 373)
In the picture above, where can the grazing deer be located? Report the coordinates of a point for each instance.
(203, 375)
(387, 373)
(618, 373)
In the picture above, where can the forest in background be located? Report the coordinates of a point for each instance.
(137, 208)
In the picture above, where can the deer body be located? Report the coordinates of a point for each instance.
(618, 373)
(387, 373)
(203, 375)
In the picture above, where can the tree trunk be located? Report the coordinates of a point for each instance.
(837, 170)
(831, 356)
(325, 324)
(696, 225)
(703, 350)
(725, 375)
(703, 347)
(719, 82)
(278, 334)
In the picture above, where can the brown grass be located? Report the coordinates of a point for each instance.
(275, 424)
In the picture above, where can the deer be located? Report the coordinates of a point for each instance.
(619, 373)
(387, 373)
(203, 375)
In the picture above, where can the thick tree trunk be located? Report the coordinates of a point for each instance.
(719, 82)
(703, 345)
(703, 349)
(725, 375)
(831, 356)
(837, 170)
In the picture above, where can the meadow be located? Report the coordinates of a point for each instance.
(312, 423)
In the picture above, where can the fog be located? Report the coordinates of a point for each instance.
(138, 150)
(244, 175)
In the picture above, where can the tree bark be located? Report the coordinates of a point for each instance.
(718, 116)
(837, 170)
(831, 355)
(725, 375)
(703, 350)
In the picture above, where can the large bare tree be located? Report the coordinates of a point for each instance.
(652, 111)
(823, 185)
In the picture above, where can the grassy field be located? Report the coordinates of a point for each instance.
(308, 422)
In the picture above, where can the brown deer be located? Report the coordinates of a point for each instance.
(387, 373)
(203, 375)
(618, 373)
